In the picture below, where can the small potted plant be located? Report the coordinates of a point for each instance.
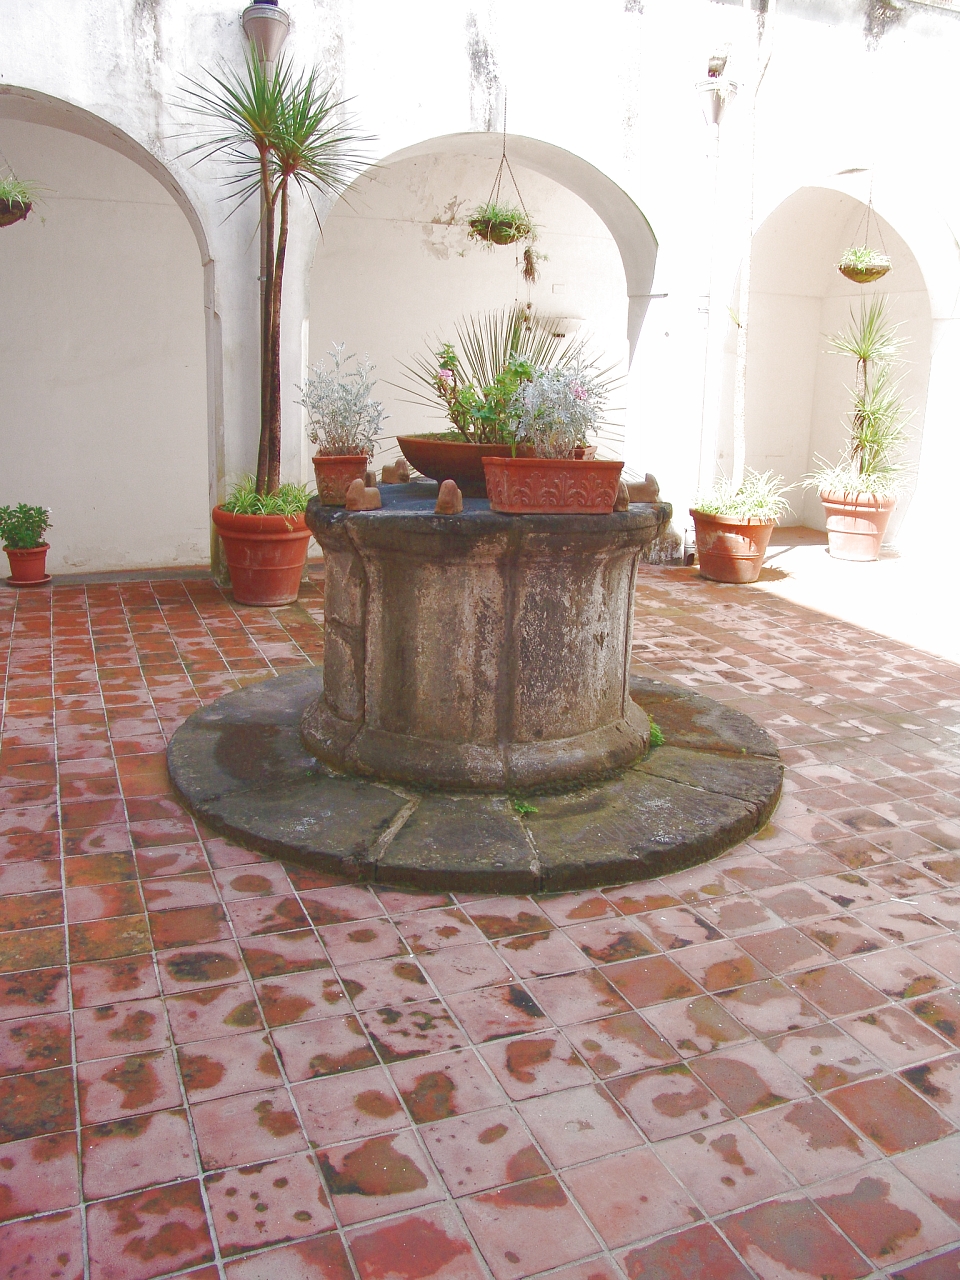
(552, 413)
(497, 223)
(863, 265)
(342, 421)
(499, 349)
(16, 199)
(733, 524)
(860, 492)
(21, 532)
(265, 541)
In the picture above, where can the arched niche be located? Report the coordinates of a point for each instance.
(103, 369)
(395, 267)
(797, 395)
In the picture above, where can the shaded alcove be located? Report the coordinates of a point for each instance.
(797, 395)
(395, 267)
(102, 354)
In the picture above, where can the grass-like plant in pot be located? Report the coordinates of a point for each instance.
(276, 130)
(733, 524)
(497, 223)
(552, 413)
(474, 382)
(343, 420)
(16, 199)
(860, 491)
(862, 264)
(22, 530)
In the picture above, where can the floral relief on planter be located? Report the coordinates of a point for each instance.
(335, 474)
(552, 486)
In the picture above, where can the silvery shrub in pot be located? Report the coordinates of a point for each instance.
(343, 420)
(552, 413)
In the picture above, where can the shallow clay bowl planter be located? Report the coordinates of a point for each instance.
(552, 486)
(498, 232)
(856, 523)
(265, 555)
(12, 211)
(865, 274)
(440, 459)
(28, 565)
(730, 549)
(336, 473)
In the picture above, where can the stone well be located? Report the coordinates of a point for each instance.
(479, 651)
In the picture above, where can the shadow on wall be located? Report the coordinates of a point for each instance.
(797, 390)
(102, 377)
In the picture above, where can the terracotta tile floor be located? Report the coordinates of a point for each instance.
(212, 1064)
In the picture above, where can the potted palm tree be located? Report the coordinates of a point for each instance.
(276, 129)
(343, 420)
(733, 524)
(21, 532)
(552, 411)
(860, 491)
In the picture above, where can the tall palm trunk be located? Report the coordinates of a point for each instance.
(276, 294)
(267, 213)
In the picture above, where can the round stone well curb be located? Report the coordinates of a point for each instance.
(240, 767)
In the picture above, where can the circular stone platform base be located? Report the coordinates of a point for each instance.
(240, 767)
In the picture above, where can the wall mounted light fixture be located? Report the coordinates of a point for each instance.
(266, 26)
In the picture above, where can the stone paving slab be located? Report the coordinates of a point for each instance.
(240, 767)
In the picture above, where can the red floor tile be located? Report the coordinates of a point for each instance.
(51, 1246)
(527, 1227)
(147, 1234)
(262, 1204)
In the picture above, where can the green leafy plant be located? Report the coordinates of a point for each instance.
(498, 223)
(246, 500)
(23, 527)
(656, 735)
(274, 129)
(343, 418)
(870, 462)
(556, 408)
(16, 193)
(861, 257)
(499, 349)
(759, 497)
(521, 807)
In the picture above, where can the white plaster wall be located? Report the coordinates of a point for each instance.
(102, 365)
(396, 269)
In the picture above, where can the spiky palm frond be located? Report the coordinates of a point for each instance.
(873, 337)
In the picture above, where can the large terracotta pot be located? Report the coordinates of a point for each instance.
(28, 565)
(441, 459)
(265, 555)
(856, 523)
(729, 549)
(552, 486)
(336, 473)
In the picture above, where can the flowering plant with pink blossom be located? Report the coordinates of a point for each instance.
(557, 407)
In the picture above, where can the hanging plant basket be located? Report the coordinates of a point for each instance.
(12, 211)
(863, 265)
(497, 224)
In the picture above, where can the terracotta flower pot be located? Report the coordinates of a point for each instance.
(28, 565)
(856, 523)
(730, 549)
(552, 486)
(265, 555)
(336, 473)
(12, 211)
(457, 460)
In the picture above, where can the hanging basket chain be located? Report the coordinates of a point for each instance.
(505, 164)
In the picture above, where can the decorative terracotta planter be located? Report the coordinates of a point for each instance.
(552, 486)
(458, 460)
(28, 565)
(730, 550)
(856, 523)
(12, 211)
(265, 555)
(336, 473)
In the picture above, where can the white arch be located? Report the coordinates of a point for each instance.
(623, 218)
